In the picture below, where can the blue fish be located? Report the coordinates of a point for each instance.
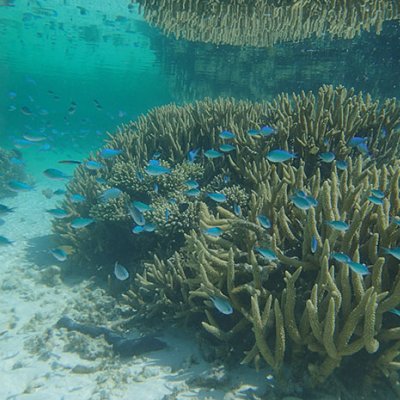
(150, 227)
(226, 135)
(93, 165)
(137, 229)
(81, 222)
(363, 149)
(18, 186)
(191, 184)
(395, 311)
(4, 241)
(375, 200)
(301, 202)
(167, 212)
(59, 213)
(394, 251)
(157, 170)
(5, 209)
(218, 197)
(213, 154)
(340, 226)
(136, 215)
(110, 194)
(226, 147)
(264, 221)
(192, 155)
(341, 164)
(356, 140)
(59, 191)
(327, 157)
(155, 187)
(120, 272)
(268, 254)
(56, 174)
(267, 131)
(279, 156)
(101, 181)
(77, 198)
(253, 132)
(314, 244)
(341, 257)
(215, 231)
(59, 254)
(222, 305)
(377, 193)
(237, 210)
(110, 153)
(142, 207)
(358, 268)
(17, 161)
(154, 162)
(192, 192)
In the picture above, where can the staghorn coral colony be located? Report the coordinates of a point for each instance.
(263, 23)
(274, 225)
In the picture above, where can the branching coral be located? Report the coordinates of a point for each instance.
(263, 23)
(11, 168)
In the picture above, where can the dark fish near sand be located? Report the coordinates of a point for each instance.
(125, 347)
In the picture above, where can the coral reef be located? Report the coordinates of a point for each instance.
(309, 281)
(263, 23)
(11, 168)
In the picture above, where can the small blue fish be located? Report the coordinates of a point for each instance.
(340, 226)
(101, 181)
(215, 231)
(253, 132)
(192, 155)
(149, 227)
(136, 215)
(4, 241)
(375, 200)
(279, 156)
(17, 161)
(72, 162)
(237, 210)
(155, 187)
(18, 186)
(157, 170)
(120, 272)
(59, 213)
(110, 153)
(59, 254)
(267, 131)
(77, 198)
(301, 202)
(341, 257)
(358, 268)
(395, 311)
(394, 251)
(56, 174)
(218, 197)
(142, 207)
(356, 140)
(34, 138)
(341, 164)
(264, 221)
(191, 184)
(226, 135)
(226, 147)
(81, 222)
(110, 194)
(227, 179)
(192, 192)
(222, 305)
(213, 154)
(327, 157)
(167, 212)
(363, 149)
(378, 193)
(268, 254)
(137, 229)
(60, 192)
(5, 209)
(154, 162)
(93, 165)
(314, 244)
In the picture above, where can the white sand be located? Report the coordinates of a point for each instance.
(39, 361)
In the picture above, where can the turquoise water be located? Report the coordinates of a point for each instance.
(72, 72)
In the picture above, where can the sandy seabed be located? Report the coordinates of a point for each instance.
(40, 361)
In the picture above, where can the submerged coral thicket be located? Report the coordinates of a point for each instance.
(289, 242)
(263, 23)
(11, 168)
